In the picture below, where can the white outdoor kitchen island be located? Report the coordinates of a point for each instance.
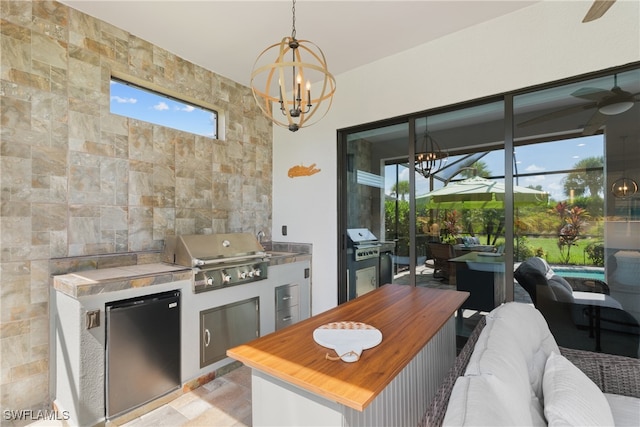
(295, 384)
(79, 353)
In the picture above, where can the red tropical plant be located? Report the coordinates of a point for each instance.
(573, 220)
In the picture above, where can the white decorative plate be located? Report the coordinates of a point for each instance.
(348, 339)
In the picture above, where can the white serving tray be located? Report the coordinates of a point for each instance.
(348, 339)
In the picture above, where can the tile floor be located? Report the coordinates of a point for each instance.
(224, 401)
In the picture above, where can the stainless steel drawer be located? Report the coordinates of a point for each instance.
(287, 316)
(286, 296)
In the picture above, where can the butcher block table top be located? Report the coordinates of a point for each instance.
(407, 316)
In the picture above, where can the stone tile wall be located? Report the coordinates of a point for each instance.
(78, 181)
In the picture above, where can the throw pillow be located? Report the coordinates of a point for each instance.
(571, 398)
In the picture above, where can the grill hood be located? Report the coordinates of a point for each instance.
(194, 250)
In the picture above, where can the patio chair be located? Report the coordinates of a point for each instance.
(441, 253)
(575, 305)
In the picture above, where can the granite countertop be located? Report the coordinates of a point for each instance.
(277, 258)
(97, 281)
(92, 282)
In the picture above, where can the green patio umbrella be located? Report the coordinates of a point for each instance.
(478, 193)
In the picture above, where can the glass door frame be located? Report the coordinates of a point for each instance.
(508, 102)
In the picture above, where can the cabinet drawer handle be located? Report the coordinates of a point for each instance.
(286, 297)
(207, 337)
(286, 319)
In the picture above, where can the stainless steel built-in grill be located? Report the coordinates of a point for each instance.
(363, 262)
(364, 243)
(218, 260)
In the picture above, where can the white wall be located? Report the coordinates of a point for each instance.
(538, 44)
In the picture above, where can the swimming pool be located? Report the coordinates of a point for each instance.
(583, 272)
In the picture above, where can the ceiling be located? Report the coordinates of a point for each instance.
(227, 36)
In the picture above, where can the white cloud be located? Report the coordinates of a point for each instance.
(535, 180)
(535, 168)
(160, 106)
(121, 100)
(187, 108)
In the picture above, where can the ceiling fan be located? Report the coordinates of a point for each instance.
(605, 102)
(598, 8)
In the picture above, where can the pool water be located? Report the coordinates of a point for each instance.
(580, 272)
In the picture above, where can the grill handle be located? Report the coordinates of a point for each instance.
(202, 262)
(207, 337)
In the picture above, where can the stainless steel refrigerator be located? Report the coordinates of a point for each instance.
(142, 350)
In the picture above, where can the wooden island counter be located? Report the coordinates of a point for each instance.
(293, 383)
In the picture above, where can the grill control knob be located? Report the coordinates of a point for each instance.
(242, 274)
(208, 280)
(252, 273)
(226, 278)
(257, 272)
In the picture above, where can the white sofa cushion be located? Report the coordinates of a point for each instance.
(514, 330)
(625, 409)
(571, 398)
(480, 401)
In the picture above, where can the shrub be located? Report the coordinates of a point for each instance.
(523, 249)
(595, 252)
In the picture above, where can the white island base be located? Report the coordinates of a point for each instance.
(402, 402)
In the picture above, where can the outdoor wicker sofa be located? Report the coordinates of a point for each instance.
(612, 374)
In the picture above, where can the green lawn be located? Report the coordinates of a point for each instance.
(552, 252)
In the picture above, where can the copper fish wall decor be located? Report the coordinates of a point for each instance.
(299, 170)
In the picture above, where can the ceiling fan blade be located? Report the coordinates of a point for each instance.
(598, 8)
(591, 93)
(594, 124)
(557, 114)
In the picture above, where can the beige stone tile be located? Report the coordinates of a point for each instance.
(214, 417)
(12, 329)
(16, 114)
(184, 400)
(19, 394)
(14, 57)
(229, 397)
(194, 409)
(240, 376)
(52, 12)
(48, 50)
(163, 416)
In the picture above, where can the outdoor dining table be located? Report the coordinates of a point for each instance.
(463, 249)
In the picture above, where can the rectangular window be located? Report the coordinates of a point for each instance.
(143, 104)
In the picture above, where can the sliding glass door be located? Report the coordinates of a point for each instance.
(580, 143)
(478, 197)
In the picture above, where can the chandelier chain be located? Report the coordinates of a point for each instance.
(293, 20)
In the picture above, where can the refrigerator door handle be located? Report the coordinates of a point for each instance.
(207, 337)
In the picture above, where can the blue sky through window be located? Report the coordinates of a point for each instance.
(142, 104)
(535, 158)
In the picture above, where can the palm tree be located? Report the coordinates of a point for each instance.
(478, 168)
(400, 188)
(588, 175)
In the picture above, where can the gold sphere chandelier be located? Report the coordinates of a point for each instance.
(277, 85)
